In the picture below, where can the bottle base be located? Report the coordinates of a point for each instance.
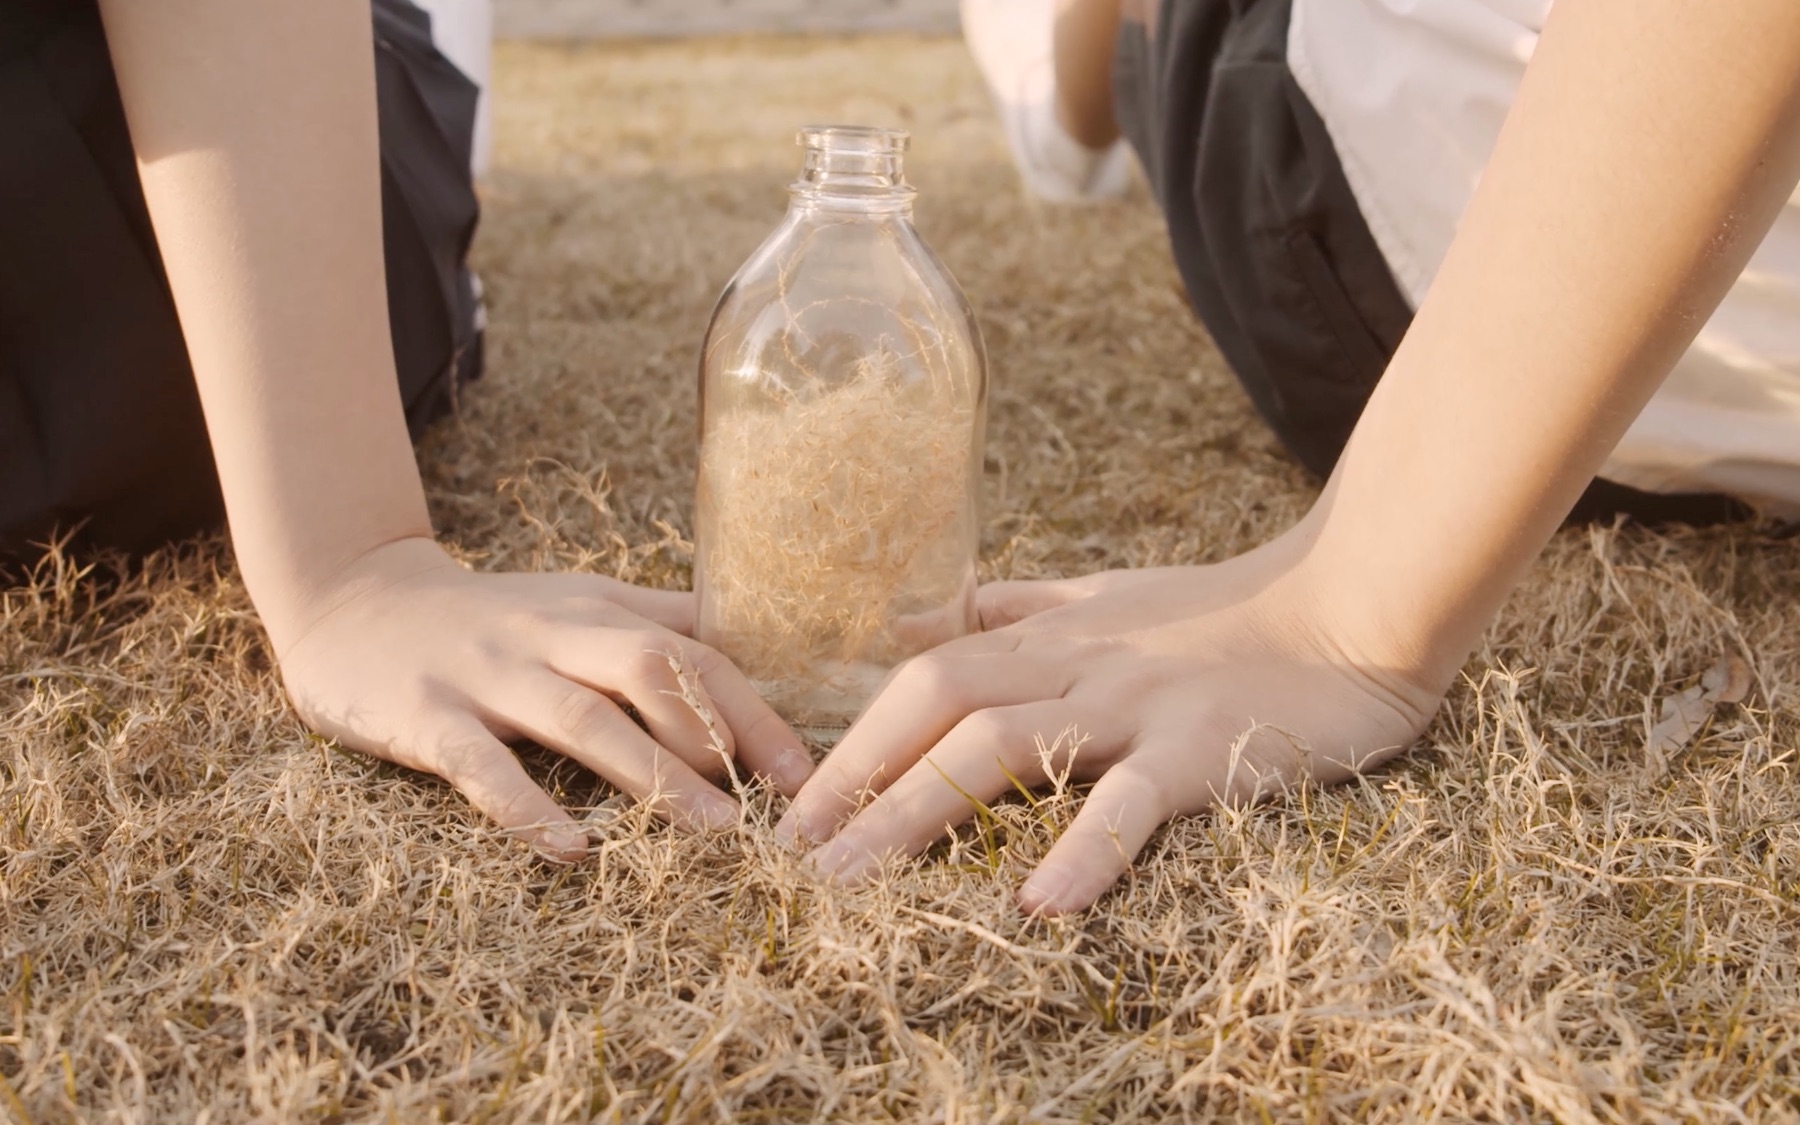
(822, 707)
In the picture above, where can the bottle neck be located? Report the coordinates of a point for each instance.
(853, 169)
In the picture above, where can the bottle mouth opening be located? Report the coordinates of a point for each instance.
(854, 140)
(859, 166)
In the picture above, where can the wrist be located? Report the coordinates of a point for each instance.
(291, 609)
(1385, 616)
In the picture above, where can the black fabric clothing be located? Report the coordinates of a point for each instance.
(1271, 244)
(100, 422)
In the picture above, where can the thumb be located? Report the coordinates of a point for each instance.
(1002, 603)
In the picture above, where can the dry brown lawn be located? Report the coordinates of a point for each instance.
(207, 914)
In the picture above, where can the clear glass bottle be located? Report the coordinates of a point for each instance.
(843, 405)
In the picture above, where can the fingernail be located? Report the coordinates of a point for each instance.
(824, 863)
(718, 813)
(563, 843)
(795, 827)
(792, 767)
(841, 861)
(1044, 891)
(787, 829)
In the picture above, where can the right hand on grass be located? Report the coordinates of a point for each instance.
(1174, 689)
(416, 660)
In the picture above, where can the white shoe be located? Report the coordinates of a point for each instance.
(1013, 44)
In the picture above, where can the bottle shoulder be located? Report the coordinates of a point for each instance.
(826, 297)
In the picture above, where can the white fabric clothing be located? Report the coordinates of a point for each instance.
(464, 31)
(1413, 93)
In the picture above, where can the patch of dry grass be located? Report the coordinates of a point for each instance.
(207, 914)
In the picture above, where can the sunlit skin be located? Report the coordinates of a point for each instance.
(1084, 34)
(1650, 148)
(255, 129)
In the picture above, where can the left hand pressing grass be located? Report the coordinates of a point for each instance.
(1187, 686)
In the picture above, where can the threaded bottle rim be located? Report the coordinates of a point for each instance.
(858, 166)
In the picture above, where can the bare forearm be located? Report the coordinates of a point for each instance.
(255, 127)
(254, 123)
(1084, 37)
(1651, 146)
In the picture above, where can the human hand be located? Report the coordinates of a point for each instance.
(1188, 687)
(416, 660)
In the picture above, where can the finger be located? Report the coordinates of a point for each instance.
(926, 697)
(490, 776)
(1125, 806)
(584, 725)
(917, 632)
(1003, 603)
(765, 744)
(674, 610)
(649, 669)
(693, 701)
(976, 762)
